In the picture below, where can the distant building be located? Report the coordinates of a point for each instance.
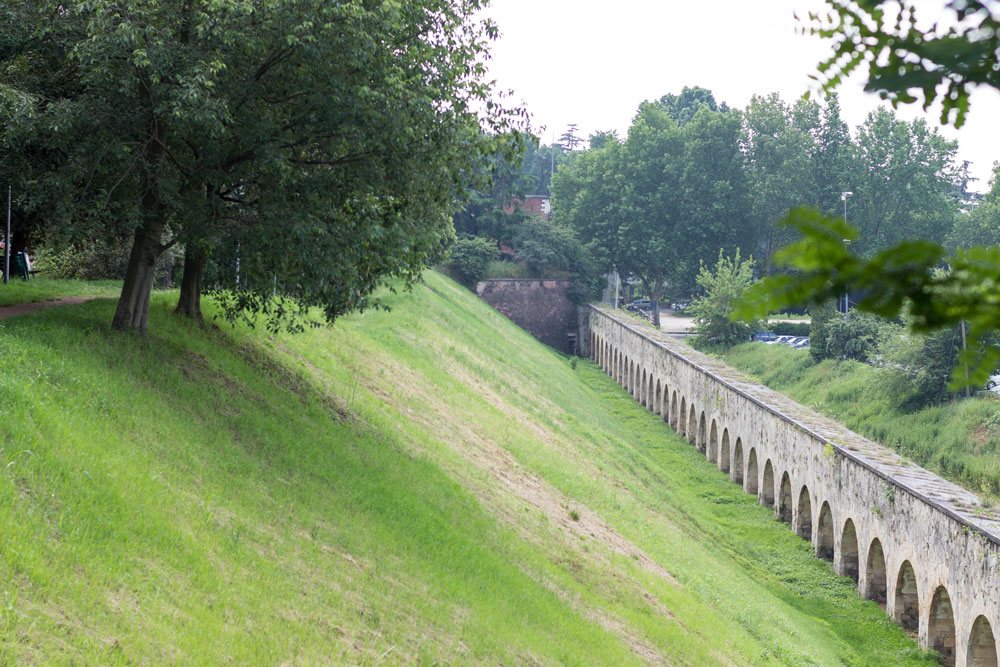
(539, 205)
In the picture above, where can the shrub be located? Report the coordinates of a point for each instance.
(790, 328)
(100, 259)
(500, 268)
(722, 289)
(470, 259)
(852, 336)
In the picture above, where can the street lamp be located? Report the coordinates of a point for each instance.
(844, 196)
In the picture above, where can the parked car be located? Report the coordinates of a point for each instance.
(639, 305)
(993, 384)
(764, 336)
(803, 344)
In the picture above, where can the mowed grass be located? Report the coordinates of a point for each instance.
(423, 485)
(960, 440)
(43, 289)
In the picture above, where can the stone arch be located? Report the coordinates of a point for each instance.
(824, 532)
(907, 610)
(616, 366)
(651, 395)
(941, 626)
(804, 518)
(682, 418)
(753, 478)
(725, 461)
(712, 450)
(767, 484)
(692, 432)
(982, 645)
(849, 566)
(658, 400)
(876, 577)
(736, 470)
(642, 389)
(633, 379)
(702, 441)
(785, 499)
(673, 410)
(665, 407)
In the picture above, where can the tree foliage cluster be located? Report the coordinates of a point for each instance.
(693, 177)
(721, 291)
(539, 247)
(298, 151)
(904, 63)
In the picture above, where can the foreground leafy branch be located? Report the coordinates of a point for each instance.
(940, 290)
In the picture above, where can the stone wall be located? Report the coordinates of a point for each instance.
(924, 548)
(540, 307)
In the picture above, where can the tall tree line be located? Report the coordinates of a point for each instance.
(694, 176)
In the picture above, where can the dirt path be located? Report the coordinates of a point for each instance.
(35, 306)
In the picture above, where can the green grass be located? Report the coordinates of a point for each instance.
(42, 289)
(424, 485)
(960, 439)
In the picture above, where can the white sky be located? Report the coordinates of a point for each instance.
(592, 63)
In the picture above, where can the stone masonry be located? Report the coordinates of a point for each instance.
(540, 307)
(925, 549)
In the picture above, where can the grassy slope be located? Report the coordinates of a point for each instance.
(959, 440)
(422, 485)
(41, 289)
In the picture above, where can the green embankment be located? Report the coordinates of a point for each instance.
(425, 485)
(42, 289)
(959, 440)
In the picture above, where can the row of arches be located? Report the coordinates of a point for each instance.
(793, 504)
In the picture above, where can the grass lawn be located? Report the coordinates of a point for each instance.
(43, 289)
(422, 485)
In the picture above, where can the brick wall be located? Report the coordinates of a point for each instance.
(540, 307)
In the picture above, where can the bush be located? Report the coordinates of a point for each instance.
(852, 336)
(918, 367)
(711, 311)
(100, 259)
(790, 328)
(470, 259)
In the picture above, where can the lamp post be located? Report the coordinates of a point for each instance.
(844, 196)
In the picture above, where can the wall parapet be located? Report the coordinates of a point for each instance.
(941, 539)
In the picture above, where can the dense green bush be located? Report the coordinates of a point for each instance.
(722, 289)
(789, 328)
(820, 318)
(852, 336)
(918, 367)
(470, 259)
(100, 259)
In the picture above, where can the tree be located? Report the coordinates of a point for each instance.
(712, 310)
(570, 140)
(684, 106)
(329, 144)
(901, 59)
(663, 200)
(778, 154)
(902, 182)
(981, 225)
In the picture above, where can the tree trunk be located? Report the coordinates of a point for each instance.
(189, 302)
(133, 304)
